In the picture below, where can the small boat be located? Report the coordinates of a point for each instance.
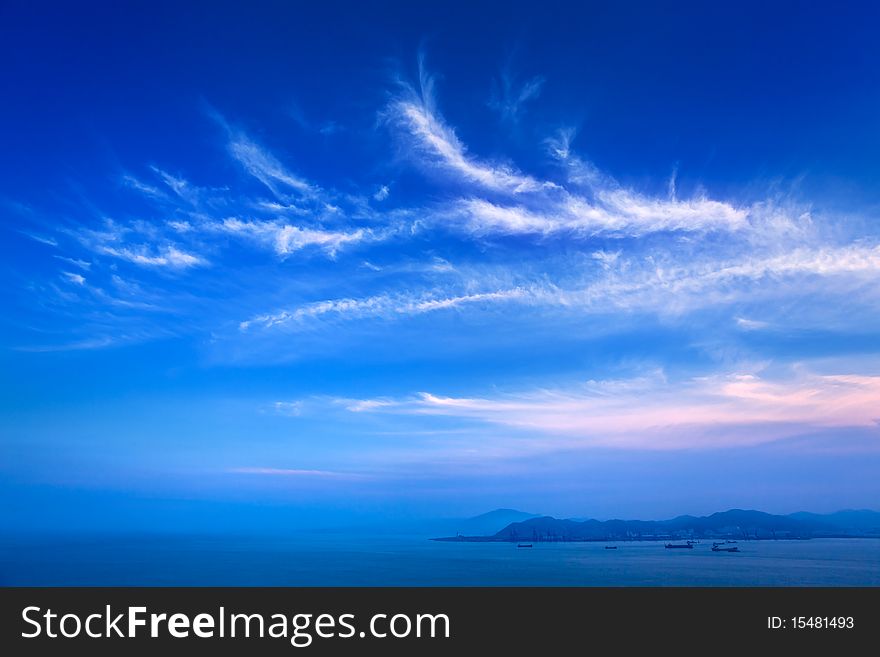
(686, 546)
(610, 547)
(715, 548)
(523, 545)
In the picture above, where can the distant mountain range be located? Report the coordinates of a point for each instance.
(733, 524)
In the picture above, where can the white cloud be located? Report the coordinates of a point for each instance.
(49, 241)
(88, 344)
(169, 256)
(144, 188)
(285, 239)
(386, 306)
(559, 144)
(825, 261)
(623, 285)
(417, 115)
(180, 186)
(614, 249)
(82, 264)
(77, 279)
(747, 324)
(330, 128)
(645, 214)
(606, 258)
(260, 163)
(264, 166)
(290, 472)
(282, 208)
(441, 265)
(546, 206)
(679, 285)
(508, 100)
(181, 226)
(615, 212)
(362, 405)
(294, 238)
(292, 409)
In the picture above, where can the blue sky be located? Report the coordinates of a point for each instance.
(389, 262)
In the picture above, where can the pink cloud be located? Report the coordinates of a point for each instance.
(717, 411)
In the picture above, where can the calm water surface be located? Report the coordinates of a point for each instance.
(333, 560)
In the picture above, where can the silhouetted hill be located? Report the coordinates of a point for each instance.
(491, 522)
(732, 524)
(485, 524)
(864, 520)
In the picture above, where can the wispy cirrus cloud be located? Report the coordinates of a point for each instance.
(416, 113)
(679, 285)
(139, 243)
(382, 306)
(587, 202)
(168, 256)
(572, 241)
(76, 262)
(618, 213)
(653, 413)
(509, 95)
(286, 239)
(619, 283)
(290, 409)
(76, 279)
(292, 472)
(181, 187)
(259, 162)
(42, 239)
(747, 324)
(263, 166)
(144, 188)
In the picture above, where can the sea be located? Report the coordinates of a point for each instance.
(328, 559)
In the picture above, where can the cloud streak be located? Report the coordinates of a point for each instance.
(286, 239)
(620, 284)
(259, 162)
(415, 113)
(169, 256)
(263, 166)
(508, 97)
(76, 279)
(652, 413)
(290, 472)
(382, 306)
(619, 213)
